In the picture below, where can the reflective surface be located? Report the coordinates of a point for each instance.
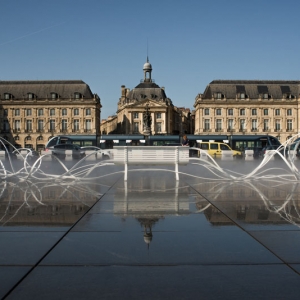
(150, 237)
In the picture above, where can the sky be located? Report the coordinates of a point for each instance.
(189, 43)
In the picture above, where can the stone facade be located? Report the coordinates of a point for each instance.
(249, 107)
(146, 97)
(31, 112)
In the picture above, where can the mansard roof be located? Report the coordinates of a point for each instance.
(149, 90)
(44, 88)
(277, 89)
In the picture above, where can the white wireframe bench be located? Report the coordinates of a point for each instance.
(151, 155)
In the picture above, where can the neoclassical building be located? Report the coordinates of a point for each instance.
(249, 107)
(31, 112)
(147, 97)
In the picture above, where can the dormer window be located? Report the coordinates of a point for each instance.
(158, 115)
(7, 96)
(218, 96)
(54, 96)
(266, 96)
(77, 95)
(241, 92)
(289, 96)
(30, 96)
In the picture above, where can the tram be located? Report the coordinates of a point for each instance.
(236, 142)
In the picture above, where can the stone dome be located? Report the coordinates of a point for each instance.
(147, 66)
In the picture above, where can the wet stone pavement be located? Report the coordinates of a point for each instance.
(152, 237)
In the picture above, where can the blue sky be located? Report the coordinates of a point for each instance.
(190, 43)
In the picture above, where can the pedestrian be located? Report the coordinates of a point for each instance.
(185, 141)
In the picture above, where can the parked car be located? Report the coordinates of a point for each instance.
(60, 151)
(106, 154)
(215, 149)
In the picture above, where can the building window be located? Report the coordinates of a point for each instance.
(289, 125)
(54, 96)
(289, 112)
(30, 96)
(64, 112)
(135, 115)
(230, 112)
(158, 115)
(158, 127)
(28, 112)
(52, 125)
(277, 125)
(64, 125)
(254, 124)
(6, 126)
(40, 125)
(254, 112)
(76, 112)
(88, 112)
(77, 95)
(136, 127)
(266, 96)
(76, 125)
(17, 125)
(88, 126)
(7, 96)
(277, 112)
(242, 112)
(206, 124)
(17, 112)
(266, 125)
(266, 112)
(218, 96)
(206, 111)
(218, 111)
(218, 124)
(40, 112)
(29, 125)
(230, 124)
(52, 112)
(242, 124)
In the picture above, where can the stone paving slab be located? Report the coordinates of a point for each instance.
(156, 282)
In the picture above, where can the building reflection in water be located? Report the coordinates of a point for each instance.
(263, 202)
(151, 200)
(45, 203)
